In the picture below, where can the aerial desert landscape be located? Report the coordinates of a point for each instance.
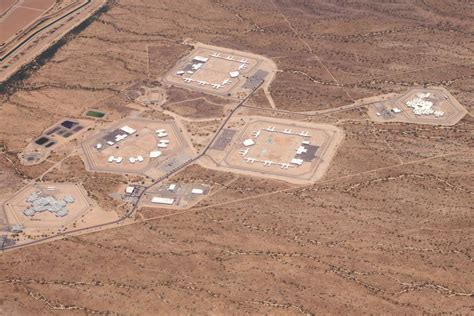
(236, 157)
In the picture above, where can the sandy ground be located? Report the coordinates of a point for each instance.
(6, 5)
(388, 230)
(27, 15)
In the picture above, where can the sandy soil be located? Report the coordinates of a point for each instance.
(387, 231)
(6, 5)
(33, 26)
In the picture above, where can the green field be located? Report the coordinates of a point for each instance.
(95, 114)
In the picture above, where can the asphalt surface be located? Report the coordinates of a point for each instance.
(14, 49)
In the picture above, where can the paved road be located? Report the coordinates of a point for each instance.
(130, 213)
(14, 49)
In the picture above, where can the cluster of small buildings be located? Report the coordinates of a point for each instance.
(135, 159)
(127, 131)
(199, 61)
(243, 61)
(421, 106)
(114, 159)
(169, 200)
(300, 150)
(161, 133)
(40, 203)
(163, 143)
(295, 161)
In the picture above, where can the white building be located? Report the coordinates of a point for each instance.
(128, 129)
(197, 191)
(200, 59)
(248, 142)
(155, 154)
(129, 189)
(114, 159)
(162, 200)
(297, 161)
(196, 66)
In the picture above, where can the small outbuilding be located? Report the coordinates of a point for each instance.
(248, 142)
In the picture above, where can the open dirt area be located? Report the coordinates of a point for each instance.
(30, 27)
(388, 228)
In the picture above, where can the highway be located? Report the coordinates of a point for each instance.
(14, 49)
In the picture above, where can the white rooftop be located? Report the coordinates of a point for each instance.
(197, 191)
(40, 203)
(421, 106)
(201, 59)
(162, 200)
(297, 161)
(248, 142)
(155, 154)
(128, 129)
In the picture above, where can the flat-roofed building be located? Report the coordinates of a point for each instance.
(200, 59)
(162, 200)
(248, 142)
(128, 129)
(197, 191)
